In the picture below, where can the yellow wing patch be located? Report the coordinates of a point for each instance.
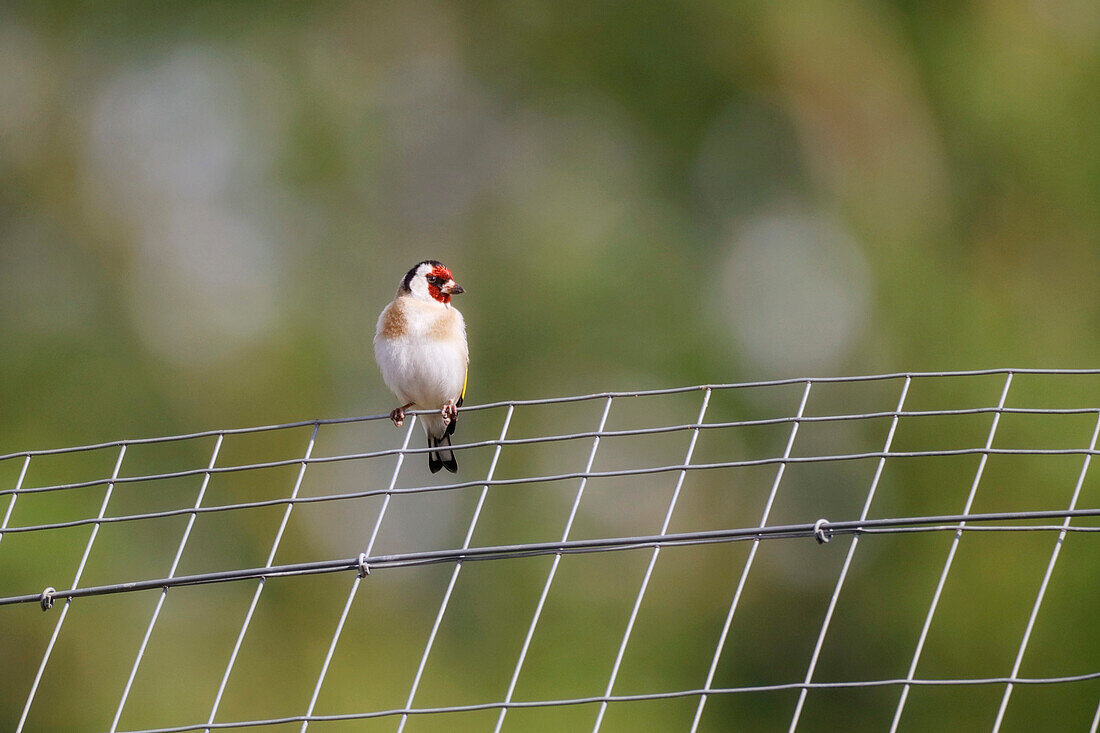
(465, 377)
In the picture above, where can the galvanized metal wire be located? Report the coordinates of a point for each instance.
(818, 529)
(601, 699)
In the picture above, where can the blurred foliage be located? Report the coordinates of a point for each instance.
(204, 205)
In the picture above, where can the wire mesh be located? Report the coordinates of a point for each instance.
(655, 556)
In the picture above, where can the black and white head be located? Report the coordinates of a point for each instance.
(430, 280)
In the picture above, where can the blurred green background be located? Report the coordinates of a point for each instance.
(203, 207)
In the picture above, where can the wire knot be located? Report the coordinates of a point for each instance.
(46, 599)
(821, 534)
(364, 569)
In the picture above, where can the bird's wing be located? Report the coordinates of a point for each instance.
(465, 377)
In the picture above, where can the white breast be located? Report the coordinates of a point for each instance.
(421, 351)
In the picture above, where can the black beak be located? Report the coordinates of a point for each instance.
(455, 289)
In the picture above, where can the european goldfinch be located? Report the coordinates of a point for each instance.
(420, 346)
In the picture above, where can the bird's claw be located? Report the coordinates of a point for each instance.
(398, 416)
(450, 412)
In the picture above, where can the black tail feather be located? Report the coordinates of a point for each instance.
(443, 458)
(448, 456)
(434, 463)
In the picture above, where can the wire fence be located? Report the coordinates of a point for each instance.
(835, 500)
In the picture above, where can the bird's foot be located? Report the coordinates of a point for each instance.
(398, 416)
(450, 412)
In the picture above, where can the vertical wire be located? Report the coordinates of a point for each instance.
(950, 558)
(164, 592)
(358, 578)
(454, 574)
(260, 586)
(848, 559)
(652, 562)
(553, 569)
(14, 496)
(76, 582)
(749, 561)
(1046, 578)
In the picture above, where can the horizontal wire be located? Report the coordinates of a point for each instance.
(571, 436)
(562, 400)
(281, 501)
(980, 528)
(822, 530)
(780, 687)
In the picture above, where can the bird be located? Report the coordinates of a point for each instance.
(420, 347)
